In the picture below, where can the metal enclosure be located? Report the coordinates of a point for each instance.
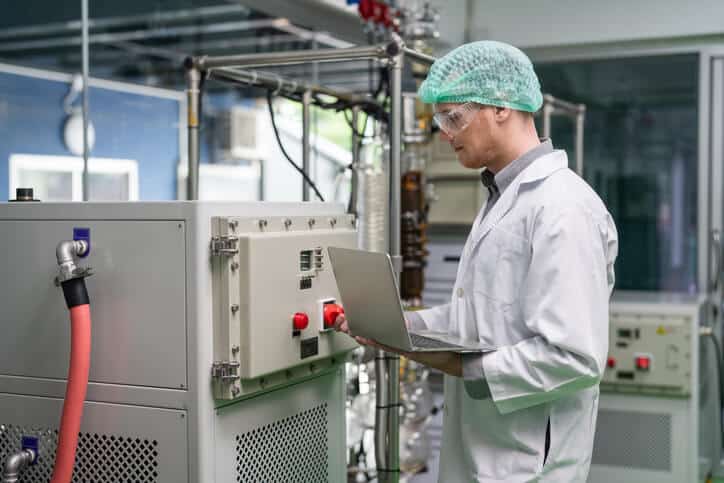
(659, 425)
(162, 320)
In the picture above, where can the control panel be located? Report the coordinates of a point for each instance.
(275, 299)
(649, 353)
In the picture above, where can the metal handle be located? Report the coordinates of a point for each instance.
(716, 248)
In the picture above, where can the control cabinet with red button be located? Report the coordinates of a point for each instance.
(649, 353)
(275, 300)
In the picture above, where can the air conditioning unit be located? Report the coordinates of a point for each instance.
(237, 134)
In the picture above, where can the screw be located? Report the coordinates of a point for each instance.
(183, 416)
(333, 221)
(234, 266)
(180, 226)
(234, 349)
(287, 223)
(233, 224)
(311, 222)
(234, 308)
(262, 382)
(262, 224)
(235, 391)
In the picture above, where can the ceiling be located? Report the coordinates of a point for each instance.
(146, 41)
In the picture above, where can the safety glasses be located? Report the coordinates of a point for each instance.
(455, 120)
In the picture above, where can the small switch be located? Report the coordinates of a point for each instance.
(611, 363)
(300, 321)
(643, 363)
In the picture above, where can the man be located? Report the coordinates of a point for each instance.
(534, 281)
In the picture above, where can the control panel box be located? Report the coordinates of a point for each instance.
(649, 353)
(275, 298)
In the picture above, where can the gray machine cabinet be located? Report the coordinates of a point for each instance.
(138, 301)
(150, 412)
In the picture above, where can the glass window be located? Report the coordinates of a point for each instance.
(641, 158)
(60, 178)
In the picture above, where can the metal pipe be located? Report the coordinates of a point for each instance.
(160, 33)
(15, 464)
(547, 111)
(355, 161)
(306, 120)
(156, 17)
(392, 447)
(419, 57)
(290, 58)
(558, 103)
(381, 413)
(580, 120)
(193, 77)
(281, 85)
(86, 54)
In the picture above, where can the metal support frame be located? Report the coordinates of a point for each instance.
(387, 365)
(306, 146)
(577, 112)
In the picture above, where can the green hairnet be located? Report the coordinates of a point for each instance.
(486, 72)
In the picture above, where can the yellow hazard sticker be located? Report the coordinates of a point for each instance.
(662, 330)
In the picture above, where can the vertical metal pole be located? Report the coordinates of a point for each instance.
(193, 78)
(547, 111)
(393, 361)
(85, 54)
(580, 118)
(306, 121)
(355, 162)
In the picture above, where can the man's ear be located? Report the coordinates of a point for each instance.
(502, 114)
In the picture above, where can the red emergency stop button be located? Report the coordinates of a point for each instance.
(331, 312)
(611, 363)
(643, 363)
(300, 321)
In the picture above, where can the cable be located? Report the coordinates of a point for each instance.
(284, 151)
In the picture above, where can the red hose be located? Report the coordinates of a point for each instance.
(80, 349)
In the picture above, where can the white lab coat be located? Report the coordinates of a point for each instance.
(534, 280)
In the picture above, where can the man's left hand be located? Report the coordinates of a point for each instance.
(448, 362)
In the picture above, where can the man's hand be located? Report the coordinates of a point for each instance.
(447, 362)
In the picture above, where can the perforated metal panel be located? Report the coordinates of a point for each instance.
(633, 440)
(99, 458)
(292, 450)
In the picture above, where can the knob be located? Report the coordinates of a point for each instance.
(331, 312)
(300, 321)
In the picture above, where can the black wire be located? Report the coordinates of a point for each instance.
(284, 152)
(354, 128)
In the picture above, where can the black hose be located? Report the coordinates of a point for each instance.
(284, 151)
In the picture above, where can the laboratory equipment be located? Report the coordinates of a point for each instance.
(212, 358)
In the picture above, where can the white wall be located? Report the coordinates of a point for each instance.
(537, 23)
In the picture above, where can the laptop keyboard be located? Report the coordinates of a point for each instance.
(427, 343)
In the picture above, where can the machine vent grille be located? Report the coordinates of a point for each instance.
(633, 440)
(265, 453)
(99, 458)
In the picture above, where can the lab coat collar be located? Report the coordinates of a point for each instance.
(538, 170)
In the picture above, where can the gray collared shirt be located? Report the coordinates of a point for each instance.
(497, 183)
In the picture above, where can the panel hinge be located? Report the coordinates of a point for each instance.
(224, 246)
(225, 371)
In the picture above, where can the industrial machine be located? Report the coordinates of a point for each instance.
(212, 358)
(658, 418)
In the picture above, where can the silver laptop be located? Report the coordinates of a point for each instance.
(369, 292)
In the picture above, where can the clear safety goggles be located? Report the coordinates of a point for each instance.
(455, 120)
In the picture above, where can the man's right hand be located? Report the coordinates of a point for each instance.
(341, 325)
